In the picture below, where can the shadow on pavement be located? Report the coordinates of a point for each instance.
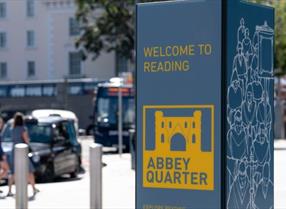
(62, 179)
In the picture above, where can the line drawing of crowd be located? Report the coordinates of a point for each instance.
(250, 120)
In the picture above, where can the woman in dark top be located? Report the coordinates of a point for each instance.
(20, 135)
(3, 161)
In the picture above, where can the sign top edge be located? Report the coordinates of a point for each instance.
(169, 2)
(257, 5)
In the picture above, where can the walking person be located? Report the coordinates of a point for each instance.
(20, 135)
(3, 160)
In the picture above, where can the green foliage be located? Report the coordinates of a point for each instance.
(280, 36)
(107, 25)
(280, 33)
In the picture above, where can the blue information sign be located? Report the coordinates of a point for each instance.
(204, 105)
(179, 105)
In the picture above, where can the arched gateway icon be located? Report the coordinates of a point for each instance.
(178, 133)
(178, 160)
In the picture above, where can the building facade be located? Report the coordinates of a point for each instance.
(37, 43)
(40, 67)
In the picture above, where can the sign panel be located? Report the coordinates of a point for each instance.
(179, 105)
(250, 41)
(178, 160)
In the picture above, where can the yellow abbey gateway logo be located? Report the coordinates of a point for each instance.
(178, 162)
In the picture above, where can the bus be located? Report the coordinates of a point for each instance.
(106, 113)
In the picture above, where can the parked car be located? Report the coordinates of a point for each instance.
(54, 148)
(66, 114)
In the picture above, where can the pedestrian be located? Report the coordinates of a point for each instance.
(3, 160)
(20, 135)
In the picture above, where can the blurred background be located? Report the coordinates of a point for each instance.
(54, 53)
(79, 56)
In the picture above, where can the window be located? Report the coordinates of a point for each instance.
(61, 132)
(3, 91)
(49, 90)
(17, 91)
(75, 63)
(2, 9)
(162, 138)
(31, 69)
(30, 8)
(74, 27)
(33, 91)
(3, 70)
(75, 89)
(3, 40)
(40, 132)
(88, 88)
(193, 139)
(71, 131)
(30, 38)
(186, 124)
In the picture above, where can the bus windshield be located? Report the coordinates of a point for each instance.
(107, 110)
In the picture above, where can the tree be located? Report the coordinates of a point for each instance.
(107, 25)
(280, 33)
(280, 36)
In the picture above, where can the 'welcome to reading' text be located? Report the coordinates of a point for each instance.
(173, 58)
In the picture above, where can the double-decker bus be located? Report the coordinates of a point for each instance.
(106, 112)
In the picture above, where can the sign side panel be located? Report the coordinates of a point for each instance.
(250, 106)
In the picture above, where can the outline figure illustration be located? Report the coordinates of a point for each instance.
(264, 114)
(250, 119)
(247, 46)
(240, 31)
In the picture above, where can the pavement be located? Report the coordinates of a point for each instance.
(65, 193)
(280, 174)
(119, 184)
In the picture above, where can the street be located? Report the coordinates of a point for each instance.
(118, 185)
(66, 193)
(280, 174)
